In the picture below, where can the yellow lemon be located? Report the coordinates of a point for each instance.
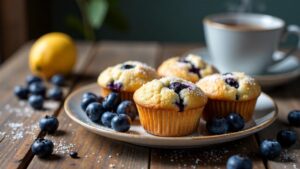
(53, 53)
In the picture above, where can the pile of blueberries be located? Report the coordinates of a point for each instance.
(270, 148)
(232, 123)
(36, 92)
(109, 111)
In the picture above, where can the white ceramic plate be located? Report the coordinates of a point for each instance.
(278, 74)
(265, 114)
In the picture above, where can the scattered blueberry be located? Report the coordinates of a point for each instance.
(286, 138)
(111, 101)
(55, 93)
(58, 80)
(127, 66)
(127, 107)
(239, 162)
(89, 94)
(86, 101)
(42, 147)
(294, 117)
(270, 149)
(21, 92)
(37, 88)
(32, 79)
(94, 111)
(107, 117)
(73, 154)
(49, 124)
(121, 123)
(217, 126)
(36, 101)
(235, 122)
(232, 82)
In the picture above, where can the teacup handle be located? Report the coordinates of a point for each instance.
(290, 30)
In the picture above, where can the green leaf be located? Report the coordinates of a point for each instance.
(74, 23)
(96, 11)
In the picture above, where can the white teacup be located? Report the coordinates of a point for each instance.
(245, 42)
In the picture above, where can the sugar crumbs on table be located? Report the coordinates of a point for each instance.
(109, 156)
(112, 165)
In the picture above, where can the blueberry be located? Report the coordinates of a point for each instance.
(55, 93)
(42, 147)
(89, 94)
(36, 101)
(239, 162)
(235, 122)
(286, 138)
(217, 126)
(127, 66)
(58, 80)
(294, 117)
(232, 82)
(107, 117)
(32, 79)
(121, 123)
(94, 111)
(86, 101)
(49, 124)
(115, 86)
(177, 86)
(21, 92)
(127, 107)
(37, 88)
(111, 101)
(73, 154)
(270, 149)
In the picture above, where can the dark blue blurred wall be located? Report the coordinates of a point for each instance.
(171, 20)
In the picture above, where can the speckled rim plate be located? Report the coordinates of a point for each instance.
(264, 115)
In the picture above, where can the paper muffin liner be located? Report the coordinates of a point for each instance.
(169, 123)
(221, 108)
(123, 95)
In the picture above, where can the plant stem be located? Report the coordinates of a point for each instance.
(88, 31)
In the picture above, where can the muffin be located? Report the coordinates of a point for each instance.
(229, 92)
(191, 68)
(125, 78)
(170, 106)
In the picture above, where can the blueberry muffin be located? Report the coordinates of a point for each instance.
(170, 106)
(125, 78)
(191, 68)
(229, 92)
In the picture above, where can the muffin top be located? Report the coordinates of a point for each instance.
(230, 86)
(170, 93)
(191, 68)
(127, 76)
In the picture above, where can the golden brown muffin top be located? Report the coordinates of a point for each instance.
(170, 93)
(191, 68)
(127, 76)
(230, 86)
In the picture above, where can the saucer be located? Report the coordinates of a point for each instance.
(264, 115)
(278, 74)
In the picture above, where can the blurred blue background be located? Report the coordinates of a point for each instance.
(170, 21)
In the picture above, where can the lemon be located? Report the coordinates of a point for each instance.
(53, 53)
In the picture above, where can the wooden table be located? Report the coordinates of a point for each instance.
(18, 122)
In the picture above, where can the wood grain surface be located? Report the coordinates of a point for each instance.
(95, 151)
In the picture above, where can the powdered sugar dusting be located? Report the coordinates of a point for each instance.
(19, 131)
(63, 147)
